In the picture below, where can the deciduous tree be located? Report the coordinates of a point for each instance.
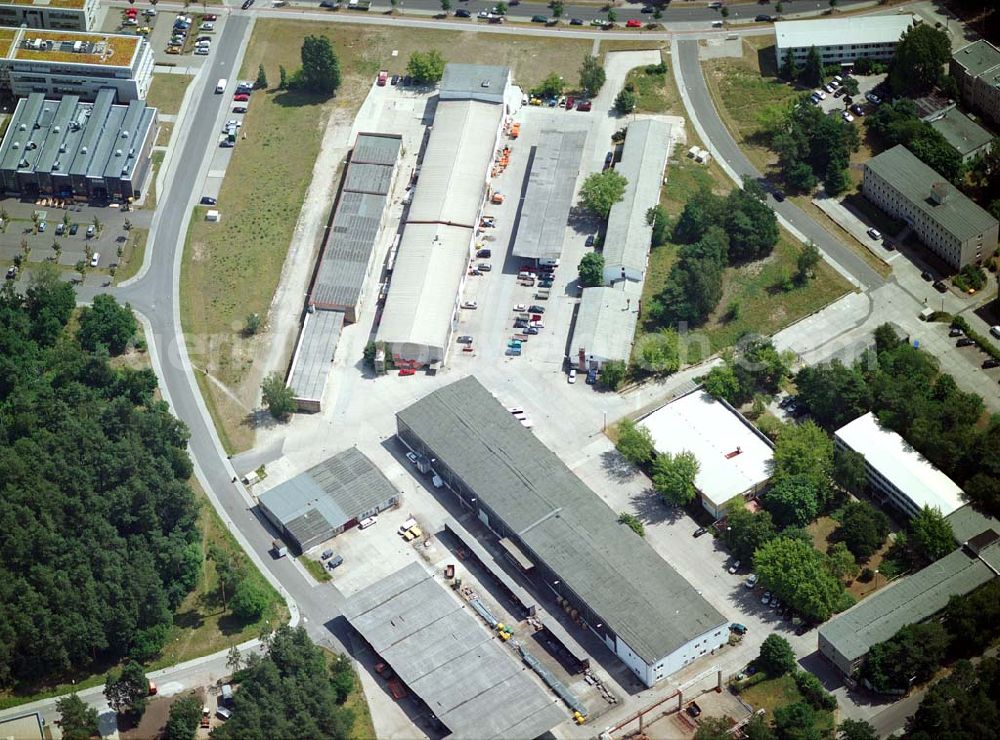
(426, 67)
(185, 716)
(863, 529)
(591, 269)
(77, 719)
(674, 475)
(635, 443)
(601, 190)
(320, 71)
(108, 323)
(792, 501)
(912, 655)
(626, 101)
(920, 58)
(776, 657)
(931, 535)
(613, 373)
(279, 398)
(797, 574)
(592, 76)
(127, 691)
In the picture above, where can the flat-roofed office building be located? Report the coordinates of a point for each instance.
(68, 15)
(840, 40)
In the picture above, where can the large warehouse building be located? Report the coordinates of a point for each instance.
(57, 63)
(840, 40)
(629, 235)
(68, 148)
(561, 533)
(446, 656)
(440, 228)
(942, 217)
(555, 165)
(345, 263)
(327, 499)
(897, 474)
(734, 457)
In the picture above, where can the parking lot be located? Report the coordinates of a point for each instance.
(161, 33)
(866, 83)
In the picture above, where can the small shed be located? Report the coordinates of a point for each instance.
(212, 215)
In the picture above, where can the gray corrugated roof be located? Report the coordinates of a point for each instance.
(469, 78)
(961, 132)
(25, 113)
(966, 523)
(350, 242)
(337, 490)
(376, 149)
(605, 323)
(314, 355)
(549, 196)
(644, 158)
(978, 57)
(559, 521)
(448, 658)
(909, 600)
(958, 215)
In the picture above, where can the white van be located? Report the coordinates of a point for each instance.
(716, 24)
(367, 522)
(220, 86)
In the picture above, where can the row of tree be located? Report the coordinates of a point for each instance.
(714, 232)
(673, 475)
(966, 704)
(898, 123)
(100, 527)
(910, 395)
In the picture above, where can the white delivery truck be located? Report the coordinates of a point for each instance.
(220, 86)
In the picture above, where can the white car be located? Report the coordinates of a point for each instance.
(412, 457)
(995, 331)
(95, 259)
(536, 325)
(874, 233)
(819, 94)
(470, 304)
(846, 115)
(751, 581)
(571, 378)
(208, 26)
(203, 51)
(734, 567)
(766, 598)
(520, 308)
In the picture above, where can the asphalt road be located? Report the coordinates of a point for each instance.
(676, 12)
(720, 138)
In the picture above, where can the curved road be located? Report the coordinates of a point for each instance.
(724, 148)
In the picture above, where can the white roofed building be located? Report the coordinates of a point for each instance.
(897, 473)
(734, 458)
(840, 40)
(439, 233)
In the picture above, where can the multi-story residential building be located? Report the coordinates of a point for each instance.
(67, 15)
(841, 40)
(944, 219)
(976, 69)
(898, 475)
(57, 63)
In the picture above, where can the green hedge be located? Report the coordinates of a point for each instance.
(984, 344)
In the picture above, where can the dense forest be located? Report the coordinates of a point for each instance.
(100, 542)
(291, 692)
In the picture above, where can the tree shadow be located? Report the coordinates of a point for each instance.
(190, 619)
(261, 419)
(768, 63)
(617, 467)
(297, 98)
(649, 507)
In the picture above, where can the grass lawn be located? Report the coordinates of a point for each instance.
(820, 531)
(315, 568)
(164, 134)
(201, 625)
(764, 306)
(132, 255)
(231, 268)
(747, 97)
(167, 91)
(656, 92)
(778, 692)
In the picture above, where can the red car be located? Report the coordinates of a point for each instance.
(407, 371)
(583, 105)
(241, 98)
(382, 77)
(210, 17)
(633, 23)
(570, 102)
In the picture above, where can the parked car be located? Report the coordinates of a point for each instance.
(995, 331)
(584, 105)
(857, 110)
(539, 19)
(470, 305)
(462, 13)
(873, 98)
(536, 309)
(762, 18)
(738, 628)
(819, 94)
(484, 253)
(246, 4)
(954, 332)
(412, 457)
(591, 377)
(12, 272)
(633, 23)
(240, 109)
(464, 339)
(41, 226)
(990, 362)
(207, 26)
(766, 598)
(575, 22)
(60, 228)
(571, 376)
(95, 259)
(700, 531)
(484, 267)
(874, 233)
(940, 287)
(73, 228)
(735, 566)
(210, 17)
(751, 581)
(530, 330)
(965, 342)
(846, 115)
(779, 195)
(241, 97)
(926, 276)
